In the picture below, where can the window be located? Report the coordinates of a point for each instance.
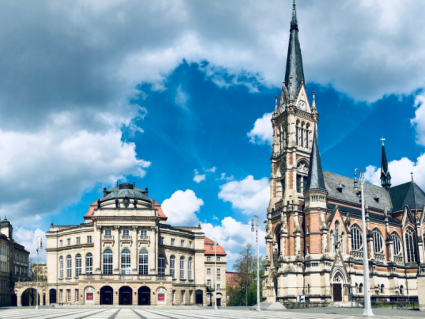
(410, 240)
(356, 238)
(397, 244)
(182, 243)
(161, 241)
(161, 265)
(190, 246)
(189, 267)
(181, 267)
(89, 264)
(209, 282)
(173, 294)
(61, 267)
(143, 233)
(125, 262)
(301, 183)
(77, 265)
(208, 271)
(78, 241)
(182, 296)
(143, 262)
(172, 241)
(218, 258)
(218, 274)
(68, 295)
(68, 266)
(173, 267)
(377, 242)
(88, 239)
(218, 286)
(60, 243)
(361, 288)
(401, 290)
(209, 258)
(69, 241)
(126, 233)
(382, 289)
(107, 232)
(107, 262)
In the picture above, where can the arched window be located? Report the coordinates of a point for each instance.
(377, 242)
(68, 266)
(356, 238)
(161, 265)
(382, 289)
(410, 240)
(397, 244)
(189, 267)
(61, 267)
(89, 264)
(107, 262)
(401, 290)
(125, 262)
(77, 265)
(173, 267)
(182, 267)
(360, 288)
(337, 232)
(143, 262)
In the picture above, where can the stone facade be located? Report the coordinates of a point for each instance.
(125, 254)
(314, 224)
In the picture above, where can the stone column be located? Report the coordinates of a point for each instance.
(135, 254)
(117, 254)
(97, 251)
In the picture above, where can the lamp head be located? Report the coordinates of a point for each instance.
(41, 243)
(356, 184)
(252, 225)
(211, 245)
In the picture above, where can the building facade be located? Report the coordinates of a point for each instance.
(314, 225)
(125, 254)
(232, 278)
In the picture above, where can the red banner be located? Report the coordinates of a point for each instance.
(89, 296)
(161, 297)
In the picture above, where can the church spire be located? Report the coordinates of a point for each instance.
(385, 174)
(294, 65)
(315, 178)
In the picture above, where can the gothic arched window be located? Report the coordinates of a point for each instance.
(356, 238)
(107, 262)
(143, 262)
(378, 242)
(397, 244)
(336, 232)
(410, 240)
(125, 261)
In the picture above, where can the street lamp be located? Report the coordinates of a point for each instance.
(39, 246)
(215, 270)
(367, 308)
(256, 228)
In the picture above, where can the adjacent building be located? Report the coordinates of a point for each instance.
(126, 254)
(314, 227)
(232, 279)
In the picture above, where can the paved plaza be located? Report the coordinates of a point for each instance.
(136, 313)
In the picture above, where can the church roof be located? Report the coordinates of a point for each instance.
(358, 213)
(294, 64)
(315, 174)
(340, 187)
(408, 194)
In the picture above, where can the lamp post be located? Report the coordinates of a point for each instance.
(39, 246)
(367, 304)
(215, 270)
(257, 226)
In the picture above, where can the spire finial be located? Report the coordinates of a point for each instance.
(411, 173)
(382, 139)
(385, 174)
(294, 21)
(314, 100)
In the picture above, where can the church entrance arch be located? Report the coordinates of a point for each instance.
(106, 295)
(144, 296)
(337, 285)
(126, 295)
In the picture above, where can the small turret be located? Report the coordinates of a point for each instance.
(385, 174)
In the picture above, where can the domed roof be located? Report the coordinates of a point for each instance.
(126, 190)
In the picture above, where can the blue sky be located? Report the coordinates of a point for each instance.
(177, 98)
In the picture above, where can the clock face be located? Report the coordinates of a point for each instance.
(302, 105)
(283, 108)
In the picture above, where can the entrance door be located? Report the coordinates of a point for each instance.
(199, 297)
(106, 296)
(144, 296)
(337, 292)
(219, 302)
(126, 296)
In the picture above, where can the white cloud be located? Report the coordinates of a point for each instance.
(26, 238)
(262, 133)
(210, 170)
(181, 208)
(419, 120)
(225, 178)
(232, 235)
(181, 98)
(199, 177)
(249, 195)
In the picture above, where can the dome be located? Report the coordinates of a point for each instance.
(126, 190)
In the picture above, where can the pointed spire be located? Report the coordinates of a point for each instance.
(313, 106)
(275, 103)
(385, 174)
(315, 178)
(294, 65)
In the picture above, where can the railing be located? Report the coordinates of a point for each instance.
(135, 277)
(380, 257)
(356, 253)
(398, 259)
(108, 237)
(143, 237)
(125, 237)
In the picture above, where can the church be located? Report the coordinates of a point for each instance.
(314, 224)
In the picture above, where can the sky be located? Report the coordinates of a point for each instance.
(177, 97)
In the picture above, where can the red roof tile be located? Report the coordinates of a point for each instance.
(91, 209)
(159, 208)
(209, 251)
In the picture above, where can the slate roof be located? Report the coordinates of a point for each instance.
(315, 174)
(333, 180)
(126, 190)
(407, 194)
(358, 213)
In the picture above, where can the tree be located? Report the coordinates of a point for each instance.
(244, 265)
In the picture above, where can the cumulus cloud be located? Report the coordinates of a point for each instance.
(262, 133)
(249, 195)
(199, 177)
(27, 238)
(211, 170)
(232, 235)
(181, 98)
(181, 208)
(225, 178)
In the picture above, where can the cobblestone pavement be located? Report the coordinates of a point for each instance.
(135, 313)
